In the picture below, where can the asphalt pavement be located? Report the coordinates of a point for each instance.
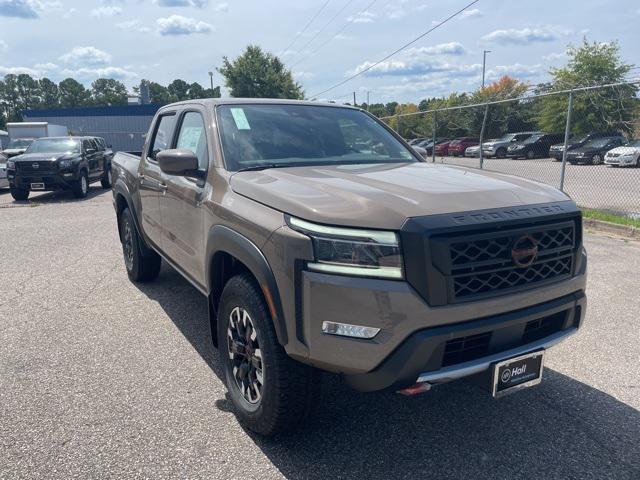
(101, 378)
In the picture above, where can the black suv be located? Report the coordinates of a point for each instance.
(593, 152)
(55, 163)
(577, 141)
(537, 145)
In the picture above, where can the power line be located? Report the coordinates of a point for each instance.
(307, 25)
(357, 74)
(301, 49)
(342, 29)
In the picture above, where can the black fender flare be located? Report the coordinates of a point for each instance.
(224, 239)
(120, 188)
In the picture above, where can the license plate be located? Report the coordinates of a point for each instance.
(37, 186)
(516, 373)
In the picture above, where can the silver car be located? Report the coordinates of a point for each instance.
(498, 148)
(4, 183)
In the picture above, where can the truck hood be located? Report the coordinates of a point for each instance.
(43, 157)
(385, 195)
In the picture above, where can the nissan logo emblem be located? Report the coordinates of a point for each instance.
(524, 251)
(35, 166)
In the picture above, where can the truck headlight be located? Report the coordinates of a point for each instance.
(352, 251)
(11, 165)
(66, 163)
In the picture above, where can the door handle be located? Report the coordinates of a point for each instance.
(163, 186)
(140, 178)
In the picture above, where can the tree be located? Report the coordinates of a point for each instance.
(28, 92)
(49, 94)
(258, 74)
(196, 91)
(178, 90)
(108, 91)
(612, 108)
(10, 98)
(73, 93)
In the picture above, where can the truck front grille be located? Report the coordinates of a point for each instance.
(42, 168)
(485, 264)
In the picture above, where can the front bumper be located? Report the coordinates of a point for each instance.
(427, 355)
(516, 154)
(51, 181)
(621, 161)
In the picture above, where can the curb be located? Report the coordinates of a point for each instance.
(626, 231)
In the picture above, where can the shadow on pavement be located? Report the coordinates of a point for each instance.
(45, 198)
(559, 429)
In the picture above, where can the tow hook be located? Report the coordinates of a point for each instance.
(415, 389)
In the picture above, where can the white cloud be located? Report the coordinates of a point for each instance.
(554, 56)
(86, 56)
(303, 75)
(513, 36)
(108, 11)
(517, 70)
(425, 68)
(85, 74)
(3, 46)
(363, 17)
(473, 13)
(394, 12)
(132, 26)
(18, 70)
(20, 9)
(69, 13)
(221, 7)
(451, 48)
(179, 25)
(182, 3)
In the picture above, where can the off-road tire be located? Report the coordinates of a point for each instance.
(501, 153)
(140, 268)
(19, 194)
(289, 390)
(80, 187)
(105, 181)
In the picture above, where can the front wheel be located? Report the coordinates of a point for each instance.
(19, 194)
(596, 159)
(80, 187)
(501, 152)
(530, 155)
(140, 268)
(270, 392)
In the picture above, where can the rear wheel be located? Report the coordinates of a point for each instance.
(140, 268)
(106, 178)
(596, 159)
(19, 193)
(270, 391)
(80, 187)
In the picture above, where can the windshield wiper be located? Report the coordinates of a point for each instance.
(263, 166)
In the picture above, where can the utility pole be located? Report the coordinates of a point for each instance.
(484, 64)
(211, 78)
(354, 99)
(368, 92)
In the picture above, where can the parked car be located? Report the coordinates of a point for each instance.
(458, 146)
(593, 152)
(4, 183)
(498, 147)
(627, 155)
(428, 144)
(315, 256)
(475, 150)
(17, 146)
(577, 141)
(536, 145)
(442, 148)
(415, 141)
(421, 151)
(54, 163)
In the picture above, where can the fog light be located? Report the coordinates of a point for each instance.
(347, 330)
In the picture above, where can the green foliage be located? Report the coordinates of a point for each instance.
(107, 91)
(73, 93)
(49, 93)
(602, 109)
(258, 74)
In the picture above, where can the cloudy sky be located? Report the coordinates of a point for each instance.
(323, 41)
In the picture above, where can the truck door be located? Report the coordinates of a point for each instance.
(182, 213)
(96, 159)
(150, 182)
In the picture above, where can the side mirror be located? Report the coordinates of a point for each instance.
(178, 161)
(109, 145)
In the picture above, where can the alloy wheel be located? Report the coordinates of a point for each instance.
(83, 184)
(596, 160)
(127, 245)
(245, 355)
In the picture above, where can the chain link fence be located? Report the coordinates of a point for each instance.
(579, 140)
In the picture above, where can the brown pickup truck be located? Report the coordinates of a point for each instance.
(323, 242)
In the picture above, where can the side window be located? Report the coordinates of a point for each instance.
(85, 145)
(162, 135)
(192, 136)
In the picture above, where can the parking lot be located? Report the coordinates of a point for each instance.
(100, 378)
(591, 186)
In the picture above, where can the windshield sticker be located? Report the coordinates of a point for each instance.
(240, 118)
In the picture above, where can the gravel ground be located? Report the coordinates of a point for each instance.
(100, 378)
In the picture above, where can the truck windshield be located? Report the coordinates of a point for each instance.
(296, 135)
(54, 145)
(20, 143)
